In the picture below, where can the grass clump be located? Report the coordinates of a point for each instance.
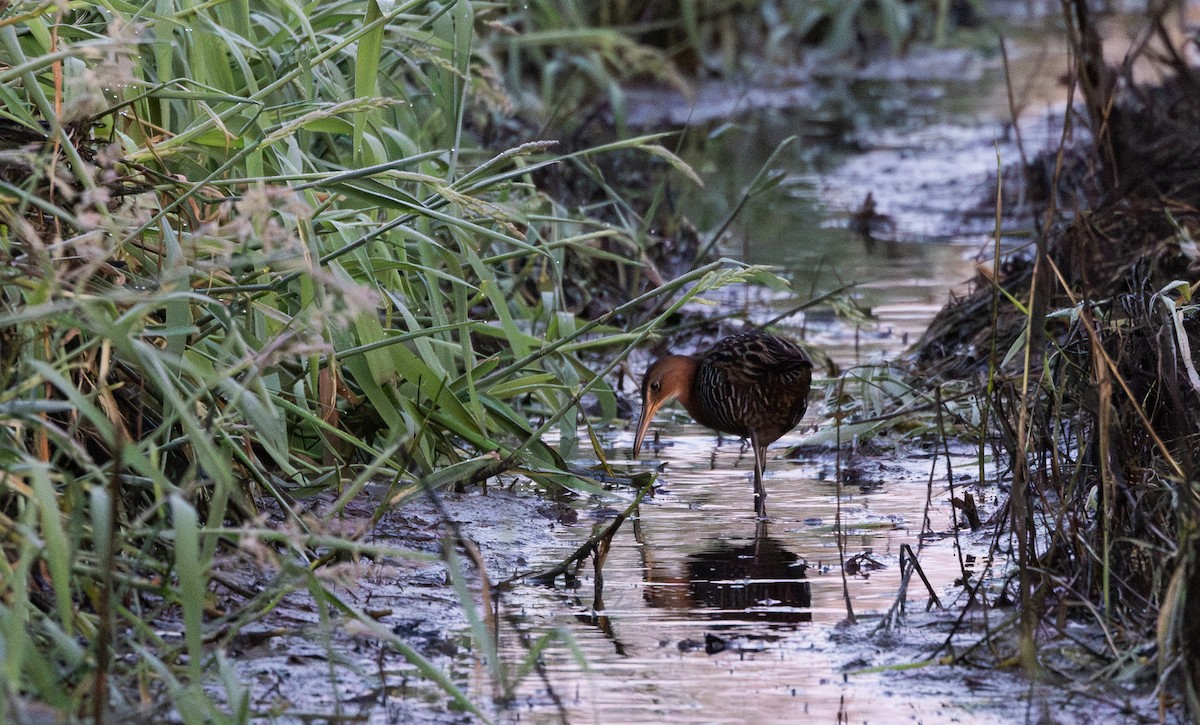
(249, 252)
(1088, 343)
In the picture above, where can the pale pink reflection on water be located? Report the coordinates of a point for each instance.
(704, 617)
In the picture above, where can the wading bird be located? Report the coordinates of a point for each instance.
(753, 385)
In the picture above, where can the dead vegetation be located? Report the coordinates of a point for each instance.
(1087, 345)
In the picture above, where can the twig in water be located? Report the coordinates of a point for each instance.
(908, 564)
(837, 525)
(962, 565)
(907, 556)
(585, 549)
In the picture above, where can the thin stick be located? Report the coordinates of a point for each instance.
(104, 609)
(908, 565)
(582, 552)
(962, 565)
(837, 521)
(915, 565)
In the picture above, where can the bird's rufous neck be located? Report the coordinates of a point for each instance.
(681, 381)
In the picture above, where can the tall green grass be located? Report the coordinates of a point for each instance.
(250, 252)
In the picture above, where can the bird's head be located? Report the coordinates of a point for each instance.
(667, 379)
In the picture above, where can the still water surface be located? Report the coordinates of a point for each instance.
(700, 614)
(704, 615)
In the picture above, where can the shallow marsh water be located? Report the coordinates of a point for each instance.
(699, 614)
(702, 614)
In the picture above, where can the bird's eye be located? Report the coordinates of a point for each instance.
(655, 386)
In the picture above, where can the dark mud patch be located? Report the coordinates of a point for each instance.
(909, 662)
(307, 659)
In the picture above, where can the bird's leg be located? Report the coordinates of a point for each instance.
(760, 464)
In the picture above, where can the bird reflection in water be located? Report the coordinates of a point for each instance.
(756, 579)
(747, 579)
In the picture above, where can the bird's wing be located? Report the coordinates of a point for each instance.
(752, 357)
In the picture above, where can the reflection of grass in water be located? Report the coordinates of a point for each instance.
(853, 526)
(582, 53)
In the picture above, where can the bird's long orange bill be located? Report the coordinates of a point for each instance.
(649, 408)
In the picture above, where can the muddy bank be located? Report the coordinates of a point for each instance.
(652, 650)
(1087, 339)
(665, 633)
(308, 658)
